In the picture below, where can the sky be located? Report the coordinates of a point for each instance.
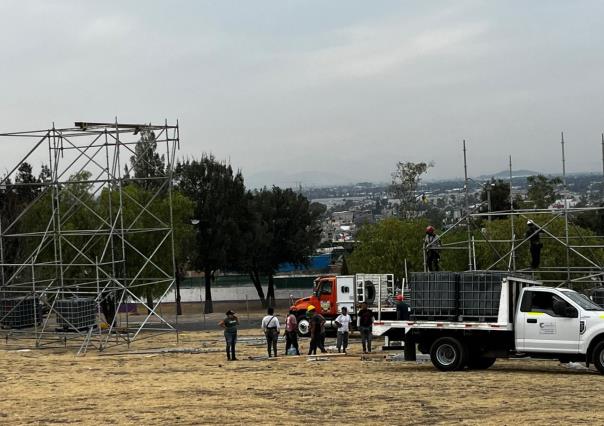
(316, 92)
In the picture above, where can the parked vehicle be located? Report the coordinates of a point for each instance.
(331, 293)
(517, 317)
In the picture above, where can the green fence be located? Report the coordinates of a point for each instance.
(281, 282)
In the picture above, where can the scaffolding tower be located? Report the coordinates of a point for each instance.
(583, 267)
(93, 238)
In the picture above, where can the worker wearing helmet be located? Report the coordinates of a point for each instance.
(535, 244)
(432, 248)
(402, 309)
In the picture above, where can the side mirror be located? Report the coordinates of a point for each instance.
(571, 312)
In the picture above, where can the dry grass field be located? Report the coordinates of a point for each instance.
(56, 387)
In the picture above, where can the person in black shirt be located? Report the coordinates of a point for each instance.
(230, 324)
(365, 323)
(402, 309)
(532, 233)
(317, 330)
(432, 247)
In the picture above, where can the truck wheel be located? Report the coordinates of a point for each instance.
(448, 354)
(303, 327)
(599, 357)
(479, 362)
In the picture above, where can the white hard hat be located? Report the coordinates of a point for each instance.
(528, 222)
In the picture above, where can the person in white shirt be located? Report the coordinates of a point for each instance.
(270, 326)
(343, 324)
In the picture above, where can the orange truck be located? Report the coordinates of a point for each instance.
(333, 292)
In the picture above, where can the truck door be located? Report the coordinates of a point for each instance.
(345, 293)
(546, 323)
(327, 296)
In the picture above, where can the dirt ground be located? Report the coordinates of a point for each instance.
(55, 386)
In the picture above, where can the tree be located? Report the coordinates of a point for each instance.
(285, 228)
(405, 181)
(592, 220)
(146, 163)
(219, 213)
(149, 174)
(553, 254)
(383, 248)
(14, 200)
(542, 191)
(498, 192)
(149, 254)
(28, 188)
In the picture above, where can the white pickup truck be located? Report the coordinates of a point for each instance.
(535, 321)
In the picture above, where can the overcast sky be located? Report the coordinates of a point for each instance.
(305, 90)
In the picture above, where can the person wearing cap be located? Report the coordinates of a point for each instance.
(432, 248)
(402, 309)
(230, 324)
(317, 330)
(532, 234)
(270, 326)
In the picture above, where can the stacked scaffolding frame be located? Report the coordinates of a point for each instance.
(579, 245)
(71, 267)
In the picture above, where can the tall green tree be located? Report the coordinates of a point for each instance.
(149, 267)
(220, 206)
(285, 228)
(405, 181)
(149, 169)
(498, 191)
(146, 163)
(592, 220)
(14, 200)
(542, 191)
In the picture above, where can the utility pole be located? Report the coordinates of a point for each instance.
(565, 210)
(602, 193)
(465, 170)
(513, 253)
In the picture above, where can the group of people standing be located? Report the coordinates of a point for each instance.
(272, 329)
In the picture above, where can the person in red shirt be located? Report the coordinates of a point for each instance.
(365, 323)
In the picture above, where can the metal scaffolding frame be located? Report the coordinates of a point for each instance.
(62, 268)
(580, 246)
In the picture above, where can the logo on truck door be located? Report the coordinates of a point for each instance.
(547, 328)
(326, 305)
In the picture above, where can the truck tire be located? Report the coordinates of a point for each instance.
(303, 326)
(477, 361)
(599, 357)
(448, 354)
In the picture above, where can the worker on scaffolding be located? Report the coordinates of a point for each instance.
(532, 234)
(432, 248)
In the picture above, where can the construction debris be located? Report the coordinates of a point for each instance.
(165, 351)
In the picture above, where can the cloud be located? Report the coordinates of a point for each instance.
(104, 29)
(384, 48)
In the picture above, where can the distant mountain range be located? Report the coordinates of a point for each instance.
(322, 179)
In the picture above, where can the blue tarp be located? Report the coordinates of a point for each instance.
(317, 263)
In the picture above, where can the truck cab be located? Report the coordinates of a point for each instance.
(532, 320)
(557, 321)
(331, 293)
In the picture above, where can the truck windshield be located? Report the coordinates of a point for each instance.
(583, 301)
